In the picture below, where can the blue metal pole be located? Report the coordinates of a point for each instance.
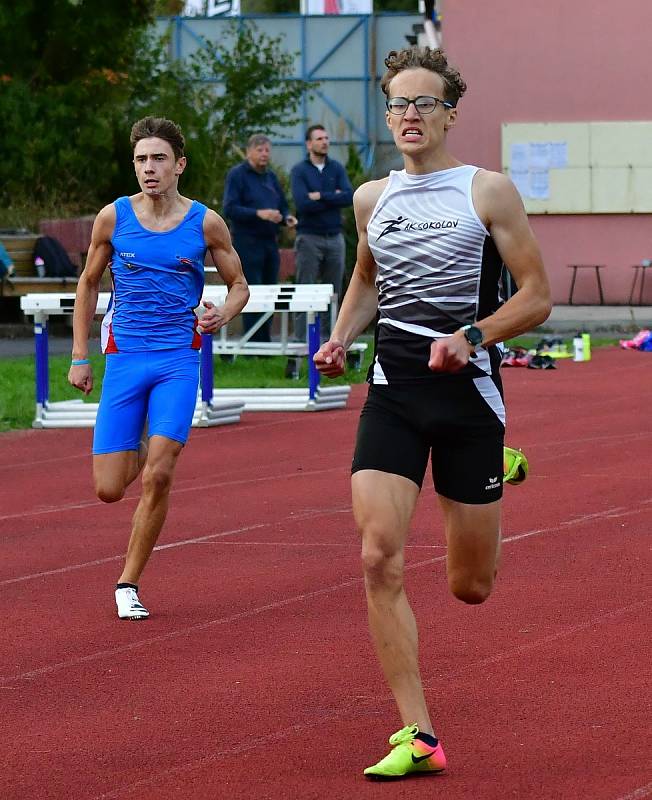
(313, 346)
(206, 361)
(41, 362)
(304, 67)
(366, 89)
(178, 23)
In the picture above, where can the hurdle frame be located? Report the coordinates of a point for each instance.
(214, 406)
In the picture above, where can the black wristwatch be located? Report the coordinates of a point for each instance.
(472, 334)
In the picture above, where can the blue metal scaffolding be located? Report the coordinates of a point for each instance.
(342, 54)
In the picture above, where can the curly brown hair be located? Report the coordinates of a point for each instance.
(425, 57)
(159, 128)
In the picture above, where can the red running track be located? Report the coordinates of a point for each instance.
(254, 677)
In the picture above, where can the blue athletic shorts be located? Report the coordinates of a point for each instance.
(160, 385)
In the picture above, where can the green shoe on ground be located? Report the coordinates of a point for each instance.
(408, 756)
(515, 466)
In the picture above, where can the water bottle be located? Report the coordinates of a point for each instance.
(39, 266)
(578, 347)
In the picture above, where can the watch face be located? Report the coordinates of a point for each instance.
(473, 335)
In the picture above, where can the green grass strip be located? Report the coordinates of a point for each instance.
(18, 387)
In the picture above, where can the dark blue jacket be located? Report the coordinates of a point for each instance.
(245, 191)
(324, 215)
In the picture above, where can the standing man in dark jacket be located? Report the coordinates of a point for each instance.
(321, 188)
(256, 205)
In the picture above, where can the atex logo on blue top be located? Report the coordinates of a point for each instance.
(127, 255)
(404, 224)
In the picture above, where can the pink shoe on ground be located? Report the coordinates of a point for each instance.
(636, 341)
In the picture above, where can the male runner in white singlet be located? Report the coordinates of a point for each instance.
(432, 241)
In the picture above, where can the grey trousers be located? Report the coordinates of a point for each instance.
(319, 259)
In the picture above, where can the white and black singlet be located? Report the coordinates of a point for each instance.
(438, 269)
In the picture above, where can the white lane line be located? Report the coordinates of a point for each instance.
(642, 791)
(261, 609)
(180, 632)
(169, 546)
(250, 743)
(99, 561)
(197, 433)
(308, 514)
(36, 512)
(637, 436)
(553, 637)
(610, 513)
(20, 464)
(177, 490)
(345, 712)
(349, 545)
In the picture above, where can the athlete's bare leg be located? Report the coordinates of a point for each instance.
(473, 539)
(113, 472)
(152, 508)
(383, 505)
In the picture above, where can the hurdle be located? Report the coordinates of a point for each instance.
(77, 413)
(314, 300)
(214, 406)
(269, 300)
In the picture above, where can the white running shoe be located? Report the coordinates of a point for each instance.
(129, 606)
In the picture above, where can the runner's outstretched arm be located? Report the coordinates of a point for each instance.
(88, 288)
(228, 265)
(361, 300)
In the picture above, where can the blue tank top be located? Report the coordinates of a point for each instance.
(158, 279)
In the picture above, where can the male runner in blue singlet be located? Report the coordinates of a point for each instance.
(432, 241)
(154, 244)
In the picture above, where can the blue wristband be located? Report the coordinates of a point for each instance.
(79, 362)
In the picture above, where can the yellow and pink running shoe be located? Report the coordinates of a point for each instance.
(412, 752)
(515, 466)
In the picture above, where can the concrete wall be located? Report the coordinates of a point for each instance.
(563, 60)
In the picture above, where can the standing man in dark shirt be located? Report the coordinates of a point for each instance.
(321, 188)
(256, 205)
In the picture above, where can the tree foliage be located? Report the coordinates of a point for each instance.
(63, 68)
(225, 92)
(53, 42)
(68, 99)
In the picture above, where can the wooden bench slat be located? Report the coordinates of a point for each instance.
(19, 286)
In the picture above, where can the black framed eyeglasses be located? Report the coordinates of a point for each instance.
(424, 104)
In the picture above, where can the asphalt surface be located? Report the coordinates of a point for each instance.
(13, 348)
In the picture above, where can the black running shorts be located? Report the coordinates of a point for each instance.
(457, 421)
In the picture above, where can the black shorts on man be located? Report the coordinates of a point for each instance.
(450, 421)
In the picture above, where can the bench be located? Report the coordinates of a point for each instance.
(20, 247)
(639, 270)
(597, 268)
(19, 287)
